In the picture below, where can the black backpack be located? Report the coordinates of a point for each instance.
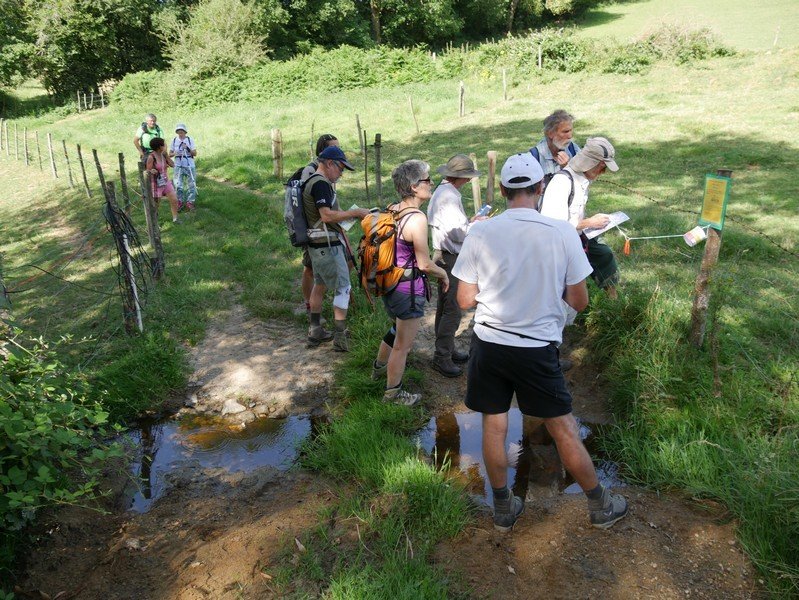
(293, 212)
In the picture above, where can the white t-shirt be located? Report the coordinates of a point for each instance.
(521, 263)
(447, 219)
(555, 203)
(182, 149)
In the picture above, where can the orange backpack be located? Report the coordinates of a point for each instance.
(377, 251)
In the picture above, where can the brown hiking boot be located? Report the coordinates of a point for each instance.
(341, 341)
(318, 335)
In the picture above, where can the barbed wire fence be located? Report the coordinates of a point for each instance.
(134, 269)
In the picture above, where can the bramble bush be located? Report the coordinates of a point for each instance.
(53, 425)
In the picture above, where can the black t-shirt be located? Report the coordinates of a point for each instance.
(320, 195)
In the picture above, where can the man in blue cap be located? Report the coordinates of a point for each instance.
(328, 246)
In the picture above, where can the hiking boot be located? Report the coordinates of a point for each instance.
(400, 396)
(460, 357)
(341, 341)
(506, 512)
(606, 510)
(446, 367)
(565, 364)
(379, 373)
(190, 206)
(318, 335)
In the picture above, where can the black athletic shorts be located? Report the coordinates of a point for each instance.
(496, 372)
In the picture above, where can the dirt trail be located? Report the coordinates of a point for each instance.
(220, 535)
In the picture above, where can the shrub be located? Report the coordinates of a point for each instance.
(681, 44)
(53, 422)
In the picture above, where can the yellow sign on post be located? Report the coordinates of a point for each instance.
(714, 206)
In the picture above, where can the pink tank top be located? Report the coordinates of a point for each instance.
(406, 258)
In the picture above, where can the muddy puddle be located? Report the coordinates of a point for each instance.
(203, 442)
(535, 467)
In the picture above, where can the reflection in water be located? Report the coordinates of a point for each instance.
(210, 442)
(535, 467)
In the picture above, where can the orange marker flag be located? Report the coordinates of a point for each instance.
(626, 247)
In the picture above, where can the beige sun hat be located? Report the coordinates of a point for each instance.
(459, 165)
(595, 151)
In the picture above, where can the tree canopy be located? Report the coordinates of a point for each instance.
(75, 44)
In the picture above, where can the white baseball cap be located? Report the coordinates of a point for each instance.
(520, 171)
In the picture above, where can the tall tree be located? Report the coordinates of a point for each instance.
(78, 43)
(15, 42)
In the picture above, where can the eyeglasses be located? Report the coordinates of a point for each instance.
(426, 180)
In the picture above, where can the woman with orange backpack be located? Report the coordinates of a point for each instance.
(405, 303)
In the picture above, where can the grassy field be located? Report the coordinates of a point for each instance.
(743, 25)
(721, 422)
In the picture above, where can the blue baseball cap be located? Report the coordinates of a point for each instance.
(337, 154)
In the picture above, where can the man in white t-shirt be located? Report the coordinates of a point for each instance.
(517, 269)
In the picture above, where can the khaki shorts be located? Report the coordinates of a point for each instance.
(330, 268)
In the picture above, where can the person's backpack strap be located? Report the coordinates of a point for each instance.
(303, 185)
(572, 149)
(571, 191)
(535, 153)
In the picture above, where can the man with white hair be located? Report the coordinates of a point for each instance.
(517, 269)
(557, 147)
(566, 197)
(148, 130)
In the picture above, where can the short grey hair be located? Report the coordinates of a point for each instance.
(150, 116)
(408, 174)
(556, 118)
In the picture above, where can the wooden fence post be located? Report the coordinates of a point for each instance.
(277, 153)
(366, 167)
(413, 113)
(8, 150)
(540, 57)
(69, 166)
(83, 172)
(92, 104)
(100, 175)
(361, 141)
(378, 164)
(123, 183)
(78, 94)
(2, 122)
(53, 168)
(504, 84)
(16, 143)
(142, 189)
(492, 170)
(153, 230)
(25, 145)
(38, 150)
(102, 99)
(475, 186)
(702, 286)
(461, 100)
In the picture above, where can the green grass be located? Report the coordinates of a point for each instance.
(670, 127)
(744, 25)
